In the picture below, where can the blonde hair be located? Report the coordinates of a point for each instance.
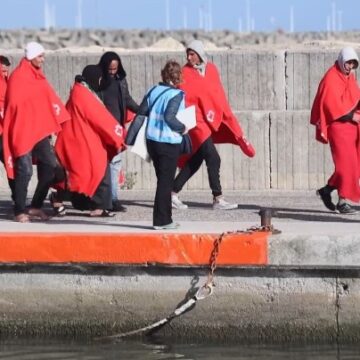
(171, 73)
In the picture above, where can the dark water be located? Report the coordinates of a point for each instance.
(131, 350)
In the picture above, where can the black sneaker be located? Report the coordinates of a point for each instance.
(345, 209)
(325, 196)
(118, 207)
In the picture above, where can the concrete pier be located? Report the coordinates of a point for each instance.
(303, 287)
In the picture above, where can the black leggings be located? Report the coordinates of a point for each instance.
(207, 151)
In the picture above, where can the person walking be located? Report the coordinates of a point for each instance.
(336, 114)
(87, 142)
(164, 138)
(4, 75)
(215, 123)
(117, 99)
(33, 112)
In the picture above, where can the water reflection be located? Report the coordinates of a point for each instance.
(133, 350)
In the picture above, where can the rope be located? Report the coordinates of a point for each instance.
(201, 294)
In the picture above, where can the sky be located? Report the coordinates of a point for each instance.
(235, 15)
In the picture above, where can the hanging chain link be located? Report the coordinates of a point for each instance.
(217, 242)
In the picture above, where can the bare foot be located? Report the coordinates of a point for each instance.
(37, 213)
(22, 218)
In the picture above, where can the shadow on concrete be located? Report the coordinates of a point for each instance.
(314, 215)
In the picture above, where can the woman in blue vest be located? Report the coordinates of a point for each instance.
(164, 138)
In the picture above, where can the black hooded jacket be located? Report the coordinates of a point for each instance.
(114, 90)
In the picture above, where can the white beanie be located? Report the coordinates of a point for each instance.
(33, 49)
(198, 47)
(347, 54)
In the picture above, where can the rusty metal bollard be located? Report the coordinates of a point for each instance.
(265, 218)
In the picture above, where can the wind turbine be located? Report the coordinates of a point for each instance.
(78, 17)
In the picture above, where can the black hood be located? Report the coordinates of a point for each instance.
(91, 75)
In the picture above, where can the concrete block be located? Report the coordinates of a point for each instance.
(253, 173)
(304, 70)
(256, 80)
(241, 308)
(298, 161)
(347, 306)
(314, 250)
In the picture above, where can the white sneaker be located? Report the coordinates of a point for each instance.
(221, 204)
(171, 226)
(177, 203)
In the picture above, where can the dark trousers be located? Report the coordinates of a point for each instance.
(164, 157)
(10, 181)
(46, 164)
(100, 200)
(207, 151)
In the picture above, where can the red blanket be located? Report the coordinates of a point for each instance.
(336, 96)
(213, 113)
(344, 142)
(32, 112)
(3, 86)
(88, 141)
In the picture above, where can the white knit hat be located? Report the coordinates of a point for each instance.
(33, 49)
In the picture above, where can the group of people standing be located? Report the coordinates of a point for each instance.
(84, 163)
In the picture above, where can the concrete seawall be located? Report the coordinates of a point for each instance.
(290, 299)
(271, 92)
(85, 277)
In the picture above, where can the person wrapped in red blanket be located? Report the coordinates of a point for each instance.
(33, 112)
(4, 75)
(335, 113)
(88, 142)
(215, 123)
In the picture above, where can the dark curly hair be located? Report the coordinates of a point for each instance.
(171, 73)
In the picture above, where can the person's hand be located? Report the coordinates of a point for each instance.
(356, 116)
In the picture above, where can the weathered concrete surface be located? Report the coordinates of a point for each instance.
(242, 308)
(317, 250)
(309, 291)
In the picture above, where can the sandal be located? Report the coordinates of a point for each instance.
(59, 211)
(58, 207)
(103, 213)
(22, 218)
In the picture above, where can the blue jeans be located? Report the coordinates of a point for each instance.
(115, 168)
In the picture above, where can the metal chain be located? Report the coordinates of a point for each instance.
(217, 242)
(203, 292)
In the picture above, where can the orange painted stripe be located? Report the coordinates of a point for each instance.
(132, 248)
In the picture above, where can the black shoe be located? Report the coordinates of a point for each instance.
(116, 206)
(325, 196)
(345, 209)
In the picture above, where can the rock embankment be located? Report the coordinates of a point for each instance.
(55, 39)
